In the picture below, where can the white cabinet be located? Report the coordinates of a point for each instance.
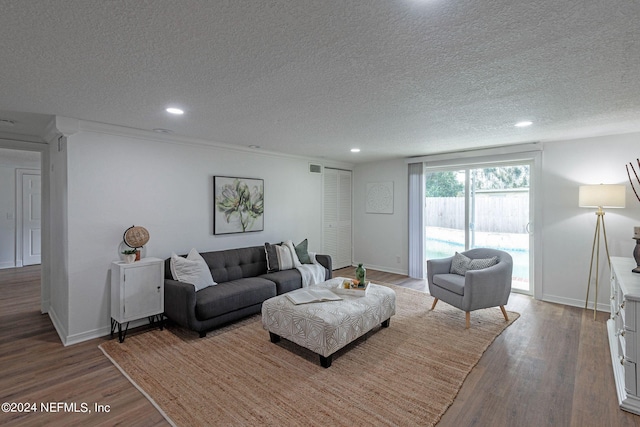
(623, 328)
(137, 291)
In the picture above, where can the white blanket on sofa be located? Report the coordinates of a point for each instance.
(311, 273)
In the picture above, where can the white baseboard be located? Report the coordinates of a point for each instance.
(602, 306)
(384, 269)
(87, 335)
(100, 332)
(7, 264)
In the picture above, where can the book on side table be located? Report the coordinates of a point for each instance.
(304, 296)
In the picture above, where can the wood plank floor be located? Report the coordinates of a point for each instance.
(36, 368)
(550, 368)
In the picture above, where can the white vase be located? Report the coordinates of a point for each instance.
(129, 258)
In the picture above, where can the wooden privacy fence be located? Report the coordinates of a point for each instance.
(492, 214)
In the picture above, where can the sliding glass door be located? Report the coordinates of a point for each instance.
(481, 206)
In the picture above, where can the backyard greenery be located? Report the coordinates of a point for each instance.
(447, 184)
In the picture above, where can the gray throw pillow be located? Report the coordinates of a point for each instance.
(461, 263)
(272, 257)
(480, 264)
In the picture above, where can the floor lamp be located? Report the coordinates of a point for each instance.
(599, 196)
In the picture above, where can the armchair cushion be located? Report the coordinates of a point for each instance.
(451, 282)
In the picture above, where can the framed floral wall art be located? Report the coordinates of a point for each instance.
(238, 205)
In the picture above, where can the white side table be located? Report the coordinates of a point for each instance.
(137, 291)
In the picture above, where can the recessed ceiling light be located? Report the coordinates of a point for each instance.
(355, 150)
(523, 124)
(255, 147)
(176, 111)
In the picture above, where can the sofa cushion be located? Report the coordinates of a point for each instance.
(192, 269)
(451, 282)
(286, 280)
(234, 264)
(233, 295)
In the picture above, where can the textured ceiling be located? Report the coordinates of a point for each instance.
(395, 78)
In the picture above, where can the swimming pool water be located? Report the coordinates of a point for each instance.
(435, 248)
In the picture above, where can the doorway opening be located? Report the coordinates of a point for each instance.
(21, 212)
(18, 160)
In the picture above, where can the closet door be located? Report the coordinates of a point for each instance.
(336, 216)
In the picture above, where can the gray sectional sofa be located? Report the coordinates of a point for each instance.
(243, 283)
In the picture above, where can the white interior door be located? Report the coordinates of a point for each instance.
(31, 218)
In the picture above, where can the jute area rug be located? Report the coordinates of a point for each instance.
(407, 374)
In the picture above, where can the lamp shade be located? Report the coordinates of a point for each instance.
(603, 196)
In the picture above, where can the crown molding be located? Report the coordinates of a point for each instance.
(147, 135)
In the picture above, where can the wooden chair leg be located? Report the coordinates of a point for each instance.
(467, 318)
(435, 301)
(504, 313)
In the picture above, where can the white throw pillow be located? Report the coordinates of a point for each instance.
(285, 261)
(294, 255)
(192, 269)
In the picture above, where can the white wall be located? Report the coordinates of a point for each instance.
(381, 241)
(55, 261)
(7, 216)
(115, 181)
(567, 230)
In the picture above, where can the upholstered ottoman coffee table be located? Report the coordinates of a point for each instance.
(326, 327)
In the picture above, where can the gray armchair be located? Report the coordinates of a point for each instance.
(476, 289)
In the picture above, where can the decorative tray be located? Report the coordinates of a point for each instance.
(350, 287)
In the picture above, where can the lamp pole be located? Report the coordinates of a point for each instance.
(596, 248)
(599, 196)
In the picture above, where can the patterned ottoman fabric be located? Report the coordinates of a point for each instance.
(325, 327)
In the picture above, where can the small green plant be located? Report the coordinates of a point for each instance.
(129, 251)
